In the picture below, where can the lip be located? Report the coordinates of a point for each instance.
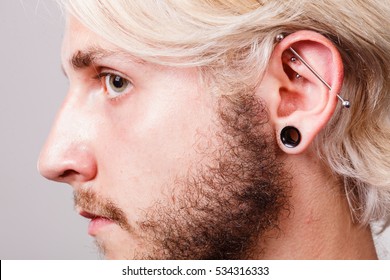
(97, 222)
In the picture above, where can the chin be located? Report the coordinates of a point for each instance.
(116, 248)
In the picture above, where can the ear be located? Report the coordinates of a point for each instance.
(294, 95)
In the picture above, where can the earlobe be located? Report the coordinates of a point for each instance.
(290, 136)
(309, 74)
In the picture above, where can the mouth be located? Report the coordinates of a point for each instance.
(97, 223)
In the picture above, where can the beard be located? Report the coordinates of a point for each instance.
(222, 209)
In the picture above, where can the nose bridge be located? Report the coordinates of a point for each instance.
(68, 155)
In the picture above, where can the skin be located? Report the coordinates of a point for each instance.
(145, 152)
(89, 125)
(131, 151)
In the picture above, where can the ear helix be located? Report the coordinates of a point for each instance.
(344, 103)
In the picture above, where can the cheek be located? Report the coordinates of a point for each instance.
(145, 145)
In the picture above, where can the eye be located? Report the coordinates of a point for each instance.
(115, 85)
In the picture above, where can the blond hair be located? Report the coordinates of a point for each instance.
(232, 41)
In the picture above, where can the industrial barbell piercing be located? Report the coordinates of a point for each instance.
(279, 37)
(345, 103)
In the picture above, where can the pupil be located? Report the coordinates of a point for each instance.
(118, 82)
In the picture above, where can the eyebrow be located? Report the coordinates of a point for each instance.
(82, 59)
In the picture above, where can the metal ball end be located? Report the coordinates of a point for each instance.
(279, 37)
(346, 104)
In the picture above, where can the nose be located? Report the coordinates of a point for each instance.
(72, 164)
(68, 155)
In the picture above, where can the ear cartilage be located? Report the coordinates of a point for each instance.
(344, 103)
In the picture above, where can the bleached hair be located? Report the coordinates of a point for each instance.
(231, 41)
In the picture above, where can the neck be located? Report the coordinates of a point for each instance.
(319, 225)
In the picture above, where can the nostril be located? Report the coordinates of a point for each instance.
(68, 173)
(68, 163)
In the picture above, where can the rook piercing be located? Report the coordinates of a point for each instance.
(345, 103)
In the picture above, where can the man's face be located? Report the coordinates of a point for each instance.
(161, 167)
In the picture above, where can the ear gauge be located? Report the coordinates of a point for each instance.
(290, 136)
(344, 103)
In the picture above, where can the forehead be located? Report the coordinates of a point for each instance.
(79, 38)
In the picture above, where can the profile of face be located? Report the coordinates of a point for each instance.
(163, 168)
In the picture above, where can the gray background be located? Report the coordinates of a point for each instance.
(37, 220)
